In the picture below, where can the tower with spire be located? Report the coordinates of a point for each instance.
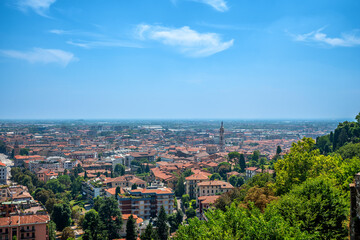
(222, 139)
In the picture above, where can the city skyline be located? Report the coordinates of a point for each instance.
(179, 59)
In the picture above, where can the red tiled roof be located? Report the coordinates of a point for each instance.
(23, 220)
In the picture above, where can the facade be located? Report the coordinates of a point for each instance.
(125, 218)
(146, 203)
(355, 208)
(30, 227)
(70, 164)
(250, 172)
(212, 188)
(211, 149)
(192, 181)
(124, 181)
(35, 166)
(3, 173)
(81, 155)
(19, 160)
(93, 189)
(205, 203)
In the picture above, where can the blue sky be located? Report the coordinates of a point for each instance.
(247, 59)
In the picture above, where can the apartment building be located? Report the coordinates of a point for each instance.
(124, 181)
(212, 188)
(3, 173)
(146, 203)
(192, 181)
(93, 188)
(30, 227)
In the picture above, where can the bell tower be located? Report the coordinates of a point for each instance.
(222, 139)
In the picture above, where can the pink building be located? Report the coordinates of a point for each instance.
(30, 227)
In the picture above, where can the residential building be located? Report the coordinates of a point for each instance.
(70, 164)
(125, 181)
(192, 181)
(93, 188)
(212, 188)
(30, 227)
(205, 203)
(3, 173)
(146, 203)
(125, 218)
(250, 172)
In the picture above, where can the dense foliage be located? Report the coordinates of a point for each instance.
(307, 198)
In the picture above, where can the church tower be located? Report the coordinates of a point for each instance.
(222, 139)
(16, 148)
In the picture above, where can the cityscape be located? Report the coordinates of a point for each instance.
(179, 119)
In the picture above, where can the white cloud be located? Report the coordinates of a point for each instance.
(186, 40)
(219, 5)
(39, 6)
(346, 40)
(103, 43)
(41, 55)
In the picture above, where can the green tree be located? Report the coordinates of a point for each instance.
(185, 199)
(187, 173)
(117, 191)
(65, 181)
(51, 230)
(224, 168)
(294, 167)
(24, 152)
(92, 226)
(239, 223)
(190, 212)
(215, 176)
(61, 215)
(134, 186)
(317, 207)
(278, 150)
(50, 203)
(236, 181)
(67, 233)
(119, 170)
(43, 195)
(234, 157)
(162, 227)
(180, 187)
(55, 186)
(110, 215)
(149, 233)
(349, 150)
(242, 162)
(131, 229)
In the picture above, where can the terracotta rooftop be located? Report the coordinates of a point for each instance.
(23, 220)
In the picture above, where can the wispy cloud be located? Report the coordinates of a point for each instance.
(93, 40)
(346, 39)
(41, 55)
(104, 43)
(218, 5)
(39, 6)
(186, 40)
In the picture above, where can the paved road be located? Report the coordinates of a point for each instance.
(8, 162)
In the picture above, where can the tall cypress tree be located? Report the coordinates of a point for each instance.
(242, 162)
(149, 233)
(130, 229)
(162, 227)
